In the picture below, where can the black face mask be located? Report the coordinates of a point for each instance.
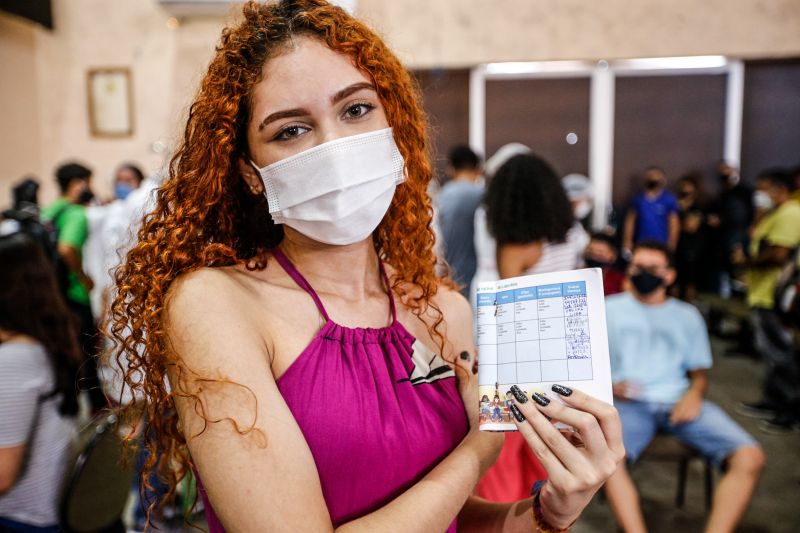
(646, 282)
(594, 263)
(85, 197)
(652, 185)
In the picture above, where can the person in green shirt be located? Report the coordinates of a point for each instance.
(774, 239)
(69, 218)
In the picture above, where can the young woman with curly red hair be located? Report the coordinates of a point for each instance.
(320, 373)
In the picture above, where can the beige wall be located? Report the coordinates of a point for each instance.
(446, 33)
(43, 95)
(88, 35)
(43, 98)
(19, 109)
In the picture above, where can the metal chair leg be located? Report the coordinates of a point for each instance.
(683, 470)
(709, 483)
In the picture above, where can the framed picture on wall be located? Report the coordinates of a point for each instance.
(110, 102)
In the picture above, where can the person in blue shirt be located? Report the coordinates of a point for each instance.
(660, 354)
(653, 214)
(455, 209)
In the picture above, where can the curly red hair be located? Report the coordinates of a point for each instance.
(205, 217)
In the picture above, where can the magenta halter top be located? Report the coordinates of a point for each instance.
(388, 410)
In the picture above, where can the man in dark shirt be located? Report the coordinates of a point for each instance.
(729, 222)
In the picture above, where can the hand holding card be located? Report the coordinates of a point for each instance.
(536, 331)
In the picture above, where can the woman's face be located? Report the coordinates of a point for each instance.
(309, 95)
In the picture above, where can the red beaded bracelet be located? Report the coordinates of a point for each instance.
(541, 524)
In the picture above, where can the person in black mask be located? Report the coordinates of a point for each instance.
(660, 354)
(690, 252)
(729, 220)
(68, 215)
(653, 214)
(602, 253)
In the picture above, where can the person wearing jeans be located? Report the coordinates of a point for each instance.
(660, 353)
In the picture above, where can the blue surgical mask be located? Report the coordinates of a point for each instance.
(122, 190)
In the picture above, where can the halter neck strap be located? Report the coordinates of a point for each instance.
(298, 278)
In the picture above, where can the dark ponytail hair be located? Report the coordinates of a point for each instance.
(31, 304)
(525, 203)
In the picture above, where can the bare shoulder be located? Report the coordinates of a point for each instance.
(197, 292)
(194, 283)
(451, 315)
(457, 317)
(449, 301)
(454, 306)
(208, 309)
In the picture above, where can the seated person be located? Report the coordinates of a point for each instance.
(602, 253)
(659, 356)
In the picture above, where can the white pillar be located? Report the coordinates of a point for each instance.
(477, 110)
(734, 108)
(601, 142)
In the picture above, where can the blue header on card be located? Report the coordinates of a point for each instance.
(522, 295)
(505, 297)
(550, 291)
(486, 298)
(573, 288)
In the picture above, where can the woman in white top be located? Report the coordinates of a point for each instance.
(39, 359)
(529, 217)
(485, 248)
(554, 257)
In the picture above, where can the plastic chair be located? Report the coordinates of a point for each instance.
(667, 448)
(97, 482)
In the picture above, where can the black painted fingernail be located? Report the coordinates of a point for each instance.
(561, 389)
(518, 394)
(464, 356)
(541, 399)
(516, 412)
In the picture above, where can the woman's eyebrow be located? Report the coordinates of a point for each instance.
(347, 91)
(300, 112)
(288, 113)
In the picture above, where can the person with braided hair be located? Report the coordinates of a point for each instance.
(281, 315)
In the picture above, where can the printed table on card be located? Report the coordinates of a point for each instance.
(534, 331)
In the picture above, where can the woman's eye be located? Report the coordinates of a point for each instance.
(290, 132)
(358, 110)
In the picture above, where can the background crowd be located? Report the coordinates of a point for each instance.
(673, 245)
(512, 216)
(741, 243)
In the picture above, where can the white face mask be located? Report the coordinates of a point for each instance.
(337, 192)
(762, 200)
(582, 209)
